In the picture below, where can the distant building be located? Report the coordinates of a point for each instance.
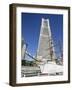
(45, 51)
(23, 49)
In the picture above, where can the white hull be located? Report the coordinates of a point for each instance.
(51, 67)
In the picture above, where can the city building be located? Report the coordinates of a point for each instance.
(45, 51)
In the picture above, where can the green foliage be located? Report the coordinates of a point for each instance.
(27, 63)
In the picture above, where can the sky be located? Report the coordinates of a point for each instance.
(31, 24)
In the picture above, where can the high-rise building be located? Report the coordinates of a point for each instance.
(23, 49)
(45, 49)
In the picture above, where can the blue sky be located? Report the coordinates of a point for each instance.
(31, 23)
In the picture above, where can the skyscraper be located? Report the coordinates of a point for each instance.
(45, 51)
(23, 49)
